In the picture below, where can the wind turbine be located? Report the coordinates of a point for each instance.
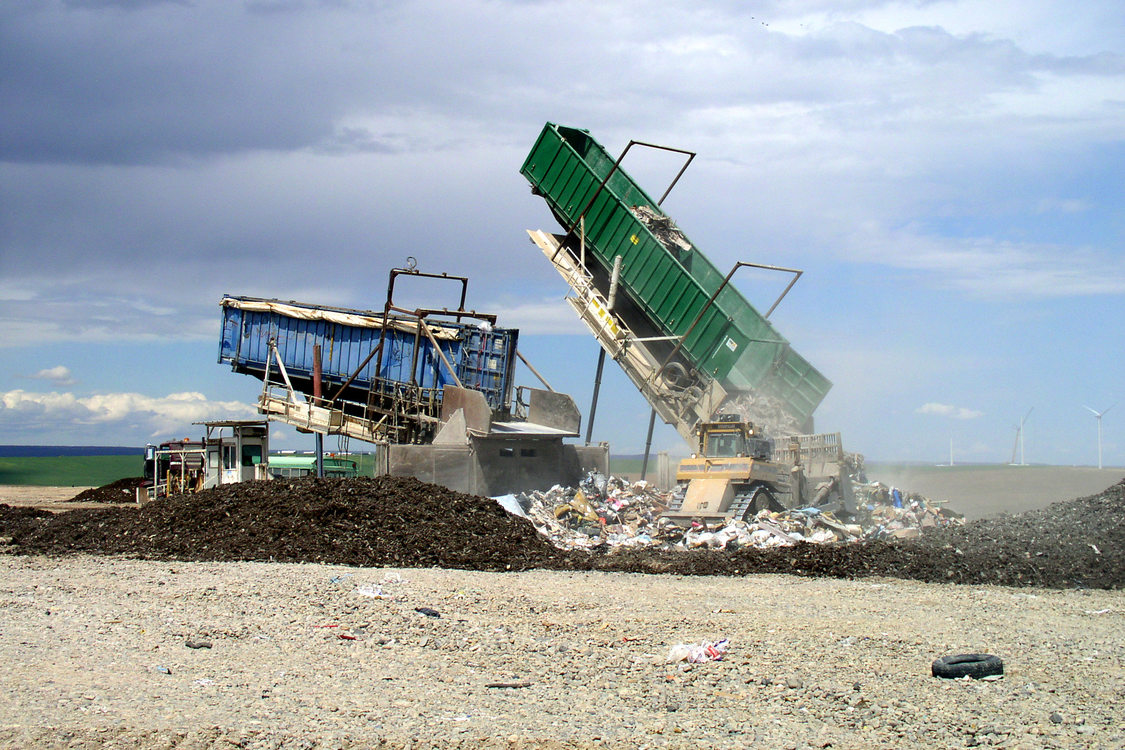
(1019, 439)
(1098, 416)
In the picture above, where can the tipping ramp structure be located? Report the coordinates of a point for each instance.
(682, 333)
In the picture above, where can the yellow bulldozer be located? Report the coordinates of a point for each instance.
(737, 472)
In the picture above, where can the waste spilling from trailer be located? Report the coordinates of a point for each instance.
(611, 512)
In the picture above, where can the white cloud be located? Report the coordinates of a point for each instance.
(59, 374)
(551, 316)
(988, 267)
(946, 410)
(151, 415)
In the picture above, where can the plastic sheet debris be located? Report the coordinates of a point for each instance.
(372, 592)
(428, 612)
(698, 653)
(511, 504)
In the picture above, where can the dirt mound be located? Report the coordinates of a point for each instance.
(402, 522)
(18, 521)
(386, 521)
(121, 491)
(1071, 543)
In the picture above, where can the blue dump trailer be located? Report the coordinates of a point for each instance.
(371, 363)
(432, 388)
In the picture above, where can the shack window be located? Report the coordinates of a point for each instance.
(527, 453)
(507, 452)
(229, 460)
(251, 455)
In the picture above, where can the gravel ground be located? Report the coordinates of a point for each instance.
(244, 626)
(95, 653)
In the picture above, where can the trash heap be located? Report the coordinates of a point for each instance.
(885, 512)
(611, 512)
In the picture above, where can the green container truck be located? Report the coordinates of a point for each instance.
(667, 277)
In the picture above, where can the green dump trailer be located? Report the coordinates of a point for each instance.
(671, 283)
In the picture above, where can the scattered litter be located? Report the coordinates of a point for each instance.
(345, 636)
(508, 685)
(969, 666)
(427, 611)
(373, 592)
(162, 670)
(192, 643)
(338, 579)
(204, 681)
(511, 504)
(698, 653)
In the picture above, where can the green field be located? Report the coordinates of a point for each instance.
(96, 471)
(69, 471)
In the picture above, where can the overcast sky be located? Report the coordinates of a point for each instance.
(947, 174)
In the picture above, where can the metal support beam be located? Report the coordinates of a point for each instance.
(430, 335)
(597, 387)
(319, 439)
(648, 443)
(614, 278)
(534, 371)
(284, 373)
(715, 296)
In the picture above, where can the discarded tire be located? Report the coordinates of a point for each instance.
(976, 666)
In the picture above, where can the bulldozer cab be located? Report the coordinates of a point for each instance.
(729, 437)
(723, 444)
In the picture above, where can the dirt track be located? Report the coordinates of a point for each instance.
(990, 491)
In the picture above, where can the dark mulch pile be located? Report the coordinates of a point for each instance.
(392, 521)
(402, 522)
(15, 522)
(121, 491)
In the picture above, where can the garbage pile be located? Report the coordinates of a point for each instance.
(601, 510)
(887, 513)
(611, 512)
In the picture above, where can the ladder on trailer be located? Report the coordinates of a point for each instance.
(681, 407)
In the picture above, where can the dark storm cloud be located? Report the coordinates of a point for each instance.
(120, 4)
(161, 153)
(92, 84)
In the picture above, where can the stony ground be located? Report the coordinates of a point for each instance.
(107, 652)
(287, 615)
